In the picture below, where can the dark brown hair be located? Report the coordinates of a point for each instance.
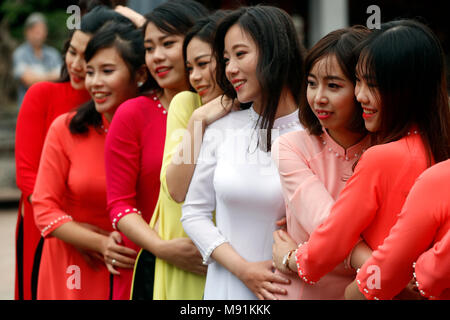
(342, 44)
(404, 62)
(280, 58)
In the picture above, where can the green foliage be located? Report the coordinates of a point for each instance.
(15, 12)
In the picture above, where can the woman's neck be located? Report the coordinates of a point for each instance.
(167, 95)
(286, 104)
(345, 138)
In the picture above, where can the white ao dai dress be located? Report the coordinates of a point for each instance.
(238, 180)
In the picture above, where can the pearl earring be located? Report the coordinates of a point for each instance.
(140, 83)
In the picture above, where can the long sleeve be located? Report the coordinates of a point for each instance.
(197, 210)
(30, 136)
(418, 226)
(392, 262)
(432, 268)
(122, 163)
(354, 210)
(304, 193)
(181, 108)
(51, 180)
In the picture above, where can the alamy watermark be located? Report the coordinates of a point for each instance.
(74, 20)
(374, 20)
(374, 280)
(74, 278)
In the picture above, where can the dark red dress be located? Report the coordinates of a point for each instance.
(43, 102)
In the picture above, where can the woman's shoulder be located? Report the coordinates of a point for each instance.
(184, 103)
(186, 97)
(399, 150)
(61, 122)
(134, 108)
(300, 141)
(233, 120)
(44, 89)
(437, 174)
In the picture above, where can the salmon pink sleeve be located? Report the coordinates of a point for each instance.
(391, 265)
(304, 193)
(30, 137)
(432, 269)
(122, 163)
(334, 239)
(51, 180)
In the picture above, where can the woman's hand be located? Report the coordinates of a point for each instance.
(282, 244)
(92, 258)
(260, 279)
(215, 109)
(410, 292)
(182, 253)
(134, 16)
(116, 255)
(282, 223)
(352, 292)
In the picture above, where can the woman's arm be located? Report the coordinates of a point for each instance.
(432, 268)
(389, 269)
(353, 211)
(180, 252)
(30, 137)
(197, 220)
(304, 193)
(50, 191)
(257, 276)
(122, 157)
(85, 239)
(135, 17)
(179, 173)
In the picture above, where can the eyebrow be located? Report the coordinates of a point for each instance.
(239, 45)
(159, 39)
(202, 56)
(103, 65)
(329, 77)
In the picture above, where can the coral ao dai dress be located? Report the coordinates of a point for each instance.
(367, 207)
(240, 182)
(313, 170)
(71, 186)
(43, 102)
(419, 242)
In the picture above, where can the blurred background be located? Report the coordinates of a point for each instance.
(313, 19)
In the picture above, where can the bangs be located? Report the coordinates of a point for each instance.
(365, 68)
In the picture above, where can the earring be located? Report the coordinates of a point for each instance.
(140, 83)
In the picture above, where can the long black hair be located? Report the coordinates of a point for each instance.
(342, 44)
(129, 43)
(404, 62)
(280, 58)
(174, 17)
(204, 29)
(91, 21)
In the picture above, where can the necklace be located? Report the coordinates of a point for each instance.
(104, 129)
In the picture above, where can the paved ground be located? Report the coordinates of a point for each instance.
(8, 217)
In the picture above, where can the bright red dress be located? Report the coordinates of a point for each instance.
(367, 207)
(43, 102)
(422, 234)
(71, 185)
(133, 154)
